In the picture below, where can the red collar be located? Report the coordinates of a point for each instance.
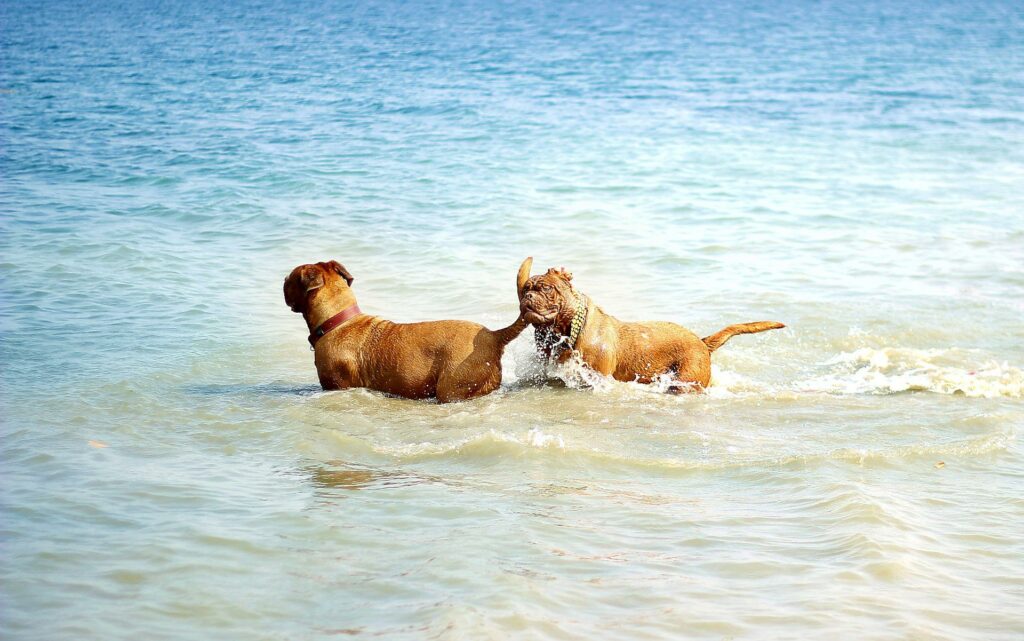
(332, 322)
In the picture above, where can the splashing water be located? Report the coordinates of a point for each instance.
(892, 370)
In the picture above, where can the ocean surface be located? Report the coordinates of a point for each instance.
(170, 468)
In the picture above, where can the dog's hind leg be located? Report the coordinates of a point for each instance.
(467, 381)
(684, 387)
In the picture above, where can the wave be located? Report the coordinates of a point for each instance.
(888, 370)
(503, 444)
(893, 370)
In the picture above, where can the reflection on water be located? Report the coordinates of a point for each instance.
(338, 475)
(344, 479)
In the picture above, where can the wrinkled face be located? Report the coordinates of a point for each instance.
(306, 280)
(548, 299)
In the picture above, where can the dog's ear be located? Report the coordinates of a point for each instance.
(340, 269)
(524, 275)
(299, 283)
(562, 273)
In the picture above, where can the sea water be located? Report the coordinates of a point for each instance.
(171, 470)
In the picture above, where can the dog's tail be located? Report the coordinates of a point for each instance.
(718, 339)
(508, 334)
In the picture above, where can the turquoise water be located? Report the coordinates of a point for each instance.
(170, 469)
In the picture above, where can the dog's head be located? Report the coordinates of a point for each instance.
(306, 281)
(548, 299)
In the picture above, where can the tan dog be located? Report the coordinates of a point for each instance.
(450, 360)
(566, 321)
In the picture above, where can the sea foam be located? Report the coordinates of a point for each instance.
(894, 369)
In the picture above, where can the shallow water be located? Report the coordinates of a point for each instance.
(172, 470)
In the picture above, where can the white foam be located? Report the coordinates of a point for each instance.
(866, 370)
(575, 373)
(894, 369)
(537, 438)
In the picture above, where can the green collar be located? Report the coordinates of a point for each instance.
(579, 319)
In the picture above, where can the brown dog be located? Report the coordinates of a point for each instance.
(450, 360)
(567, 321)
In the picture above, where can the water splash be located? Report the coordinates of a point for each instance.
(888, 370)
(894, 369)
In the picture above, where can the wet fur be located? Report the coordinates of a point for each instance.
(639, 352)
(448, 360)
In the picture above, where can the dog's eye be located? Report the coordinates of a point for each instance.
(545, 288)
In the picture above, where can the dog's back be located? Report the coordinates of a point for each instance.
(648, 349)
